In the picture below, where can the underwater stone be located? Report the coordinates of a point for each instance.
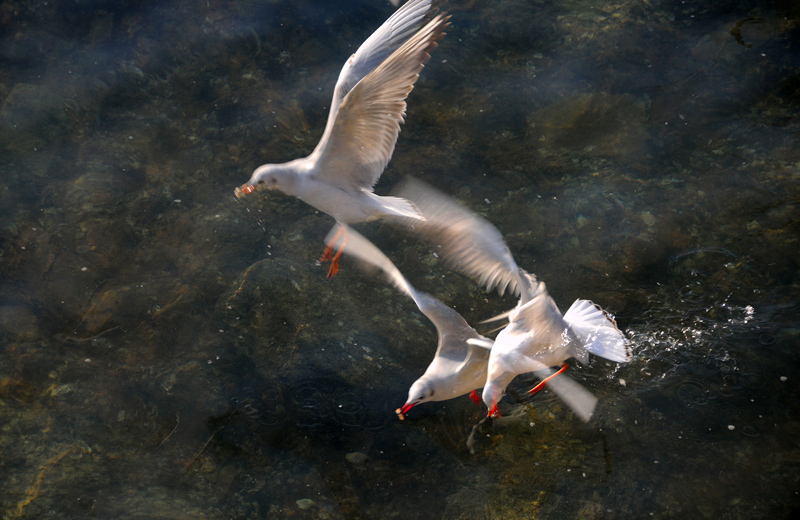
(18, 320)
(27, 116)
(357, 458)
(305, 503)
(599, 124)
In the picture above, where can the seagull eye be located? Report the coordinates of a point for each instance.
(261, 181)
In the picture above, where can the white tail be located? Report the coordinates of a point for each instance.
(399, 207)
(597, 331)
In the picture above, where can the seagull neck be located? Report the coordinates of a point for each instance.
(289, 176)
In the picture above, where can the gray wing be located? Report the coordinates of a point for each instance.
(466, 241)
(453, 329)
(358, 142)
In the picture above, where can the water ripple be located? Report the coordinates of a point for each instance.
(693, 393)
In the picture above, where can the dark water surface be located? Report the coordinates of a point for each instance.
(167, 351)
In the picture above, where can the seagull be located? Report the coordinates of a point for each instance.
(537, 336)
(459, 365)
(363, 124)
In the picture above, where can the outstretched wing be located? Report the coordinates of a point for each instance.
(358, 143)
(384, 41)
(453, 330)
(466, 241)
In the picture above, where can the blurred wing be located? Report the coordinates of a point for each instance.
(481, 342)
(579, 399)
(453, 330)
(359, 142)
(466, 241)
(354, 244)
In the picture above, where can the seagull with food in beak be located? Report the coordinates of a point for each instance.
(363, 125)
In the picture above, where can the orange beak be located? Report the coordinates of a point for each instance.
(243, 190)
(401, 412)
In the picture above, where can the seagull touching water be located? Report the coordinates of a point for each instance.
(537, 336)
(459, 365)
(363, 124)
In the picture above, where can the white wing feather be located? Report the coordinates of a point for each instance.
(466, 241)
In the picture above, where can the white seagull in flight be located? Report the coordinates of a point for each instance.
(363, 124)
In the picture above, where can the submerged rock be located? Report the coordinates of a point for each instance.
(597, 124)
(18, 320)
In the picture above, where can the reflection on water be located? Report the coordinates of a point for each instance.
(170, 352)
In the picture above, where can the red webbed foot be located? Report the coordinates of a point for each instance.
(334, 268)
(328, 254)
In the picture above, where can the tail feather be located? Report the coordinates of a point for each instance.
(597, 331)
(399, 207)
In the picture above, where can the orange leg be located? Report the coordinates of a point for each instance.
(334, 258)
(335, 264)
(328, 254)
(546, 379)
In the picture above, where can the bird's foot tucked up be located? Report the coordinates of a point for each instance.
(328, 254)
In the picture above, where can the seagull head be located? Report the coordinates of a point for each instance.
(420, 392)
(270, 177)
(492, 393)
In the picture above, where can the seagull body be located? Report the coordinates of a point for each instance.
(459, 365)
(537, 336)
(367, 108)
